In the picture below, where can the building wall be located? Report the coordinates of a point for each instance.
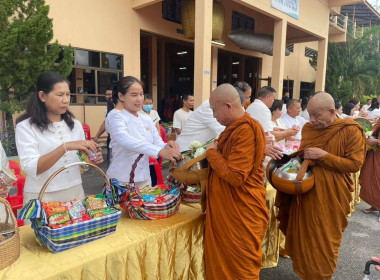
(113, 26)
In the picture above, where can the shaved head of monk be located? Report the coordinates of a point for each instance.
(321, 108)
(225, 104)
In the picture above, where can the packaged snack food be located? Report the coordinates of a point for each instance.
(92, 155)
(102, 212)
(59, 219)
(76, 209)
(148, 198)
(83, 157)
(94, 202)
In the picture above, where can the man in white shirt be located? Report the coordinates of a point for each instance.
(181, 115)
(200, 126)
(259, 110)
(292, 119)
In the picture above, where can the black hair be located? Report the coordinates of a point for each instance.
(347, 108)
(304, 102)
(277, 104)
(243, 86)
(36, 109)
(186, 95)
(354, 101)
(148, 96)
(241, 94)
(337, 104)
(285, 99)
(122, 86)
(265, 91)
(374, 104)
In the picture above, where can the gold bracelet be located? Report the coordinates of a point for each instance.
(64, 147)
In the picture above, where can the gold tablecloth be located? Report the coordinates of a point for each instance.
(271, 242)
(165, 249)
(356, 193)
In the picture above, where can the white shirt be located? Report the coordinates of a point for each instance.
(180, 117)
(305, 114)
(375, 113)
(108, 117)
(131, 136)
(32, 144)
(260, 112)
(290, 122)
(200, 126)
(153, 115)
(3, 157)
(280, 124)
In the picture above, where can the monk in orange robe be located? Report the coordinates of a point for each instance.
(314, 222)
(236, 213)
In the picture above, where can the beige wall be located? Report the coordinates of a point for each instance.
(113, 26)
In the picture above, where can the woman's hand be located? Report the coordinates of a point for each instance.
(173, 145)
(373, 142)
(170, 154)
(290, 132)
(82, 145)
(99, 157)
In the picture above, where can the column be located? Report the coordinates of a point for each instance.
(202, 51)
(132, 63)
(214, 68)
(279, 43)
(153, 71)
(321, 65)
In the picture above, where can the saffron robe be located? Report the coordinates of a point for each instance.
(370, 174)
(236, 212)
(314, 222)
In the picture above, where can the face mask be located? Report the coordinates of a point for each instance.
(148, 108)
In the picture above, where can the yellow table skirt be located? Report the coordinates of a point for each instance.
(164, 249)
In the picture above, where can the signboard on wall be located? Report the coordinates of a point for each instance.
(289, 7)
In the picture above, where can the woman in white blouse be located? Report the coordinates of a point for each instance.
(133, 134)
(373, 110)
(47, 138)
(280, 132)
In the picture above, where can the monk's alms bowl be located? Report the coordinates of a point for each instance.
(286, 182)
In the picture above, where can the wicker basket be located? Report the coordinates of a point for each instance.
(191, 197)
(73, 235)
(10, 248)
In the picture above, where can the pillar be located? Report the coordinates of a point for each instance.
(321, 65)
(279, 44)
(202, 51)
(153, 71)
(132, 63)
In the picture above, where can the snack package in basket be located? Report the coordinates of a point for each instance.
(102, 212)
(95, 202)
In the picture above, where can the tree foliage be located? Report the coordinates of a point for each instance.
(25, 32)
(353, 67)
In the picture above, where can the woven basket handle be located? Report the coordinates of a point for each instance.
(42, 192)
(302, 171)
(132, 174)
(8, 211)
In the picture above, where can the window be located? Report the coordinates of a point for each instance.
(92, 74)
(306, 88)
(87, 58)
(310, 52)
(290, 47)
(242, 22)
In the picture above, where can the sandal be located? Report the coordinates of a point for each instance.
(369, 210)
